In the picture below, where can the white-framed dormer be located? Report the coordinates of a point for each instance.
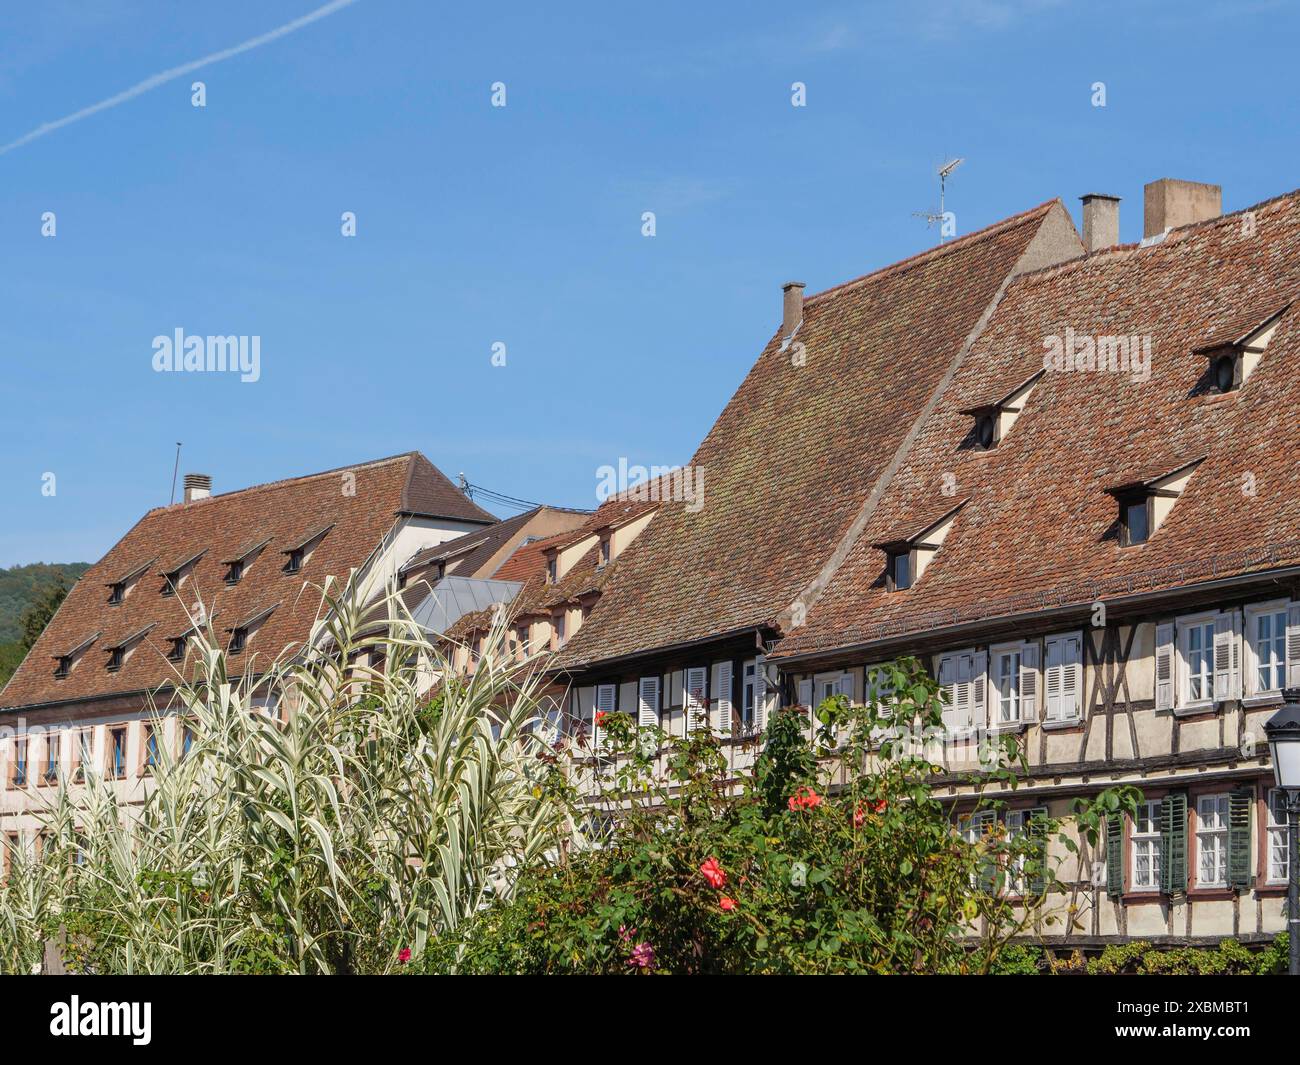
(995, 417)
(1236, 351)
(908, 554)
(1270, 650)
(1145, 502)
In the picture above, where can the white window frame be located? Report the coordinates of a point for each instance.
(976, 702)
(827, 686)
(1062, 640)
(1276, 829)
(1183, 629)
(1217, 837)
(1149, 813)
(1024, 686)
(1253, 694)
(748, 709)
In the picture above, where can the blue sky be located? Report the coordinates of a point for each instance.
(523, 224)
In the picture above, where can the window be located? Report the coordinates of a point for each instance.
(1267, 625)
(747, 696)
(1146, 847)
(150, 762)
(238, 640)
(1063, 675)
(1207, 665)
(64, 667)
(1137, 522)
(551, 570)
(50, 773)
(187, 738)
(557, 623)
(294, 565)
(177, 652)
(1020, 825)
(117, 592)
(117, 752)
(1278, 845)
(115, 659)
(1015, 683)
(18, 771)
(1198, 660)
(521, 639)
(900, 571)
(171, 581)
(606, 703)
(235, 573)
(963, 680)
(81, 754)
(604, 550)
(1212, 841)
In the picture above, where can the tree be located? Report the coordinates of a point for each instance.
(38, 615)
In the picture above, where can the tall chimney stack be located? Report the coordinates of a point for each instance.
(1169, 203)
(1100, 221)
(197, 486)
(792, 306)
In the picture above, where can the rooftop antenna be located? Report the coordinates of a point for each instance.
(944, 172)
(175, 469)
(463, 484)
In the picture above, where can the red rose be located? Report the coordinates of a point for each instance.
(727, 903)
(404, 955)
(713, 873)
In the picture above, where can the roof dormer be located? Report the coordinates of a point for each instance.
(1236, 348)
(909, 555)
(995, 417)
(1145, 502)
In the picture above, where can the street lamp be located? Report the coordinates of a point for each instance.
(1283, 732)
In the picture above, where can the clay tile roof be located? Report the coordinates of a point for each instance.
(793, 457)
(1237, 326)
(212, 531)
(1039, 529)
(478, 546)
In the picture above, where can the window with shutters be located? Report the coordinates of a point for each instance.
(1022, 824)
(1014, 679)
(746, 722)
(606, 703)
(1276, 834)
(1196, 662)
(1146, 845)
(696, 697)
(1270, 630)
(1212, 841)
(647, 711)
(1063, 679)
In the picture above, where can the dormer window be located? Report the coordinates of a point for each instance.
(604, 550)
(238, 640)
(551, 569)
(237, 566)
(243, 632)
(117, 592)
(994, 418)
(1237, 349)
(297, 554)
(64, 667)
(1145, 503)
(235, 572)
(117, 655)
(120, 587)
(175, 576)
(908, 555)
(115, 659)
(177, 652)
(66, 661)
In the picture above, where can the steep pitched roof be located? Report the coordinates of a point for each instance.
(429, 494)
(215, 530)
(475, 549)
(790, 465)
(1039, 529)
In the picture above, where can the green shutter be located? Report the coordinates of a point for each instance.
(1239, 804)
(1173, 844)
(1037, 828)
(1115, 855)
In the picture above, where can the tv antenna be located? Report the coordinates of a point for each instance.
(944, 171)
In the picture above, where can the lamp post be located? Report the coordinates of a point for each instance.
(1283, 732)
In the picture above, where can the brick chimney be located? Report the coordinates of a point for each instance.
(792, 306)
(1169, 203)
(1100, 221)
(197, 486)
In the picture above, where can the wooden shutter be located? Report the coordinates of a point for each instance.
(1227, 656)
(979, 690)
(1072, 676)
(725, 672)
(1293, 646)
(1165, 667)
(760, 694)
(606, 696)
(806, 693)
(1029, 682)
(948, 684)
(1052, 679)
(1036, 826)
(647, 712)
(1173, 843)
(697, 714)
(1239, 806)
(1115, 855)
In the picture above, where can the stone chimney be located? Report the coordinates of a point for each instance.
(197, 486)
(1100, 221)
(1169, 203)
(792, 307)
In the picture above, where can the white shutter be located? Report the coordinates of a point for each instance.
(606, 694)
(697, 714)
(806, 693)
(1165, 666)
(760, 694)
(1227, 664)
(648, 701)
(1293, 646)
(844, 686)
(1052, 678)
(977, 717)
(724, 697)
(1029, 682)
(948, 685)
(1072, 677)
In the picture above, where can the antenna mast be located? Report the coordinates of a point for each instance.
(175, 469)
(944, 171)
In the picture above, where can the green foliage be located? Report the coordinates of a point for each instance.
(777, 872)
(29, 596)
(1229, 958)
(1018, 959)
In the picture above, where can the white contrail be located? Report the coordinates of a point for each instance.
(177, 72)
